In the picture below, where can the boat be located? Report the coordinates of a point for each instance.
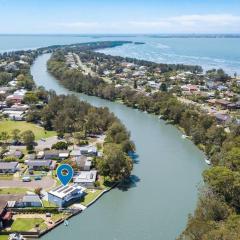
(66, 223)
(15, 236)
(184, 136)
(208, 162)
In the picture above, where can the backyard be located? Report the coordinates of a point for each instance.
(27, 224)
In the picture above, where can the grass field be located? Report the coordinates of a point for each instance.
(26, 224)
(3, 237)
(13, 190)
(90, 196)
(39, 132)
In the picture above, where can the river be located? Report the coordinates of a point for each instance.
(166, 177)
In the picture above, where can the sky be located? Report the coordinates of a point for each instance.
(119, 16)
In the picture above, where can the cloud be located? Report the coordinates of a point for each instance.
(174, 24)
(79, 24)
(193, 23)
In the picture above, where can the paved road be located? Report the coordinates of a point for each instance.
(45, 183)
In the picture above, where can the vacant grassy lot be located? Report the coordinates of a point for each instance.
(39, 132)
(26, 224)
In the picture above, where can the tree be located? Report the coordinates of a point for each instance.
(135, 84)
(16, 135)
(232, 159)
(30, 98)
(28, 138)
(38, 191)
(115, 163)
(60, 145)
(4, 136)
(78, 136)
(224, 182)
(163, 87)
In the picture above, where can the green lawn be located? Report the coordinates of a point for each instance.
(58, 216)
(90, 196)
(26, 224)
(47, 204)
(39, 132)
(3, 237)
(13, 190)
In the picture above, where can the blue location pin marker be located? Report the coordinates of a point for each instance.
(65, 173)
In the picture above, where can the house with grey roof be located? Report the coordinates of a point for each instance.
(31, 200)
(84, 163)
(8, 167)
(39, 165)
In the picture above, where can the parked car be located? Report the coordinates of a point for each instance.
(26, 179)
(37, 177)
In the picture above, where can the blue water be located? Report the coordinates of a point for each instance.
(207, 52)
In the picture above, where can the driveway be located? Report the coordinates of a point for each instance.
(45, 183)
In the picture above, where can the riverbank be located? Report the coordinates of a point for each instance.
(156, 145)
(205, 131)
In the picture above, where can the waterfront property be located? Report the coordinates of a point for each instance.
(86, 178)
(63, 196)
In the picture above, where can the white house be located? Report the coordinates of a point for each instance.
(86, 178)
(63, 196)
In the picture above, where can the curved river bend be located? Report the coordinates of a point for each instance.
(165, 179)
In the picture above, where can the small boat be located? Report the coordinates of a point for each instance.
(208, 162)
(184, 136)
(15, 236)
(66, 223)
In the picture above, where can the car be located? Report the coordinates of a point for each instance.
(26, 179)
(38, 178)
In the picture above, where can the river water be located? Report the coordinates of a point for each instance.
(166, 177)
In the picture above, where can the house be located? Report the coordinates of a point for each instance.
(15, 98)
(39, 165)
(189, 88)
(63, 196)
(56, 154)
(5, 216)
(75, 153)
(222, 103)
(88, 151)
(86, 178)
(83, 162)
(233, 106)
(14, 115)
(14, 153)
(63, 154)
(8, 167)
(31, 200)
(222, 118)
